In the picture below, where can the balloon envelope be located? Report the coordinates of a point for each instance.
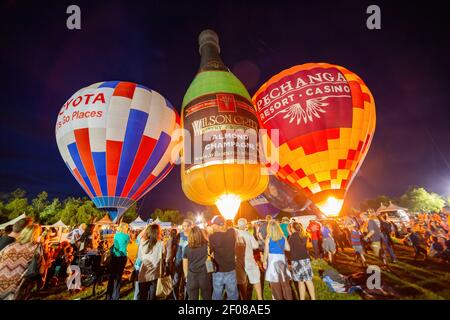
(263, 206)
(115, 138)
(285, 197)
(325, 115)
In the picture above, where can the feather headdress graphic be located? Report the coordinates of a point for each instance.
(312, 110)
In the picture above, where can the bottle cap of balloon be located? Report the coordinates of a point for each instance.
(208, 37)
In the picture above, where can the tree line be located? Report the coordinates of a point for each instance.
(74, 211)
(415, 199)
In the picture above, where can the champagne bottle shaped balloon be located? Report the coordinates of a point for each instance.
(220, 162)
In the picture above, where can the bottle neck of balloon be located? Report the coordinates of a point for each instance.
(210, 59)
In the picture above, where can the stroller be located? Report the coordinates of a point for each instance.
(93, 269)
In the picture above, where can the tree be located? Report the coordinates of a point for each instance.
(18, 206)
(18, 194)
(39, 204)
(168, 215)
(51, 213)
(131, 214)
(3, 213)
(88, 213)
(420, 200)
(70, 211)
(374, 204)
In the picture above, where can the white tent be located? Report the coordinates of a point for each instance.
(162, 224)
(59, 224)
(11, 222)
(381, 208)
(138, 223)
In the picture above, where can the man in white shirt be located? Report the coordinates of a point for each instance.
(250, 265)
(75, 236)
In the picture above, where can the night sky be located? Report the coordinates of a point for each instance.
(405, 64)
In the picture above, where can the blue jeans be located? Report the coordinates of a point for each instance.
(136, 291)
(147, 290)
(388, 246)
(116, 270)
(227, 280)
(316, 246)
(179, 283)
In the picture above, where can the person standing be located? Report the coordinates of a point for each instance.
(118, 261)
(13, 232)
(248, 264)
(171, 249)
(373, 233)
(198, 280)
(142, 236)
(90, 239)
(179, 281)
(262, 231)
(416, 241)
(315, 230)
(285, 226)
(339, 236)
(385, 228)
(15, 260)
(152, 256)
(356, 242)
(328, 243)
(275, 263)
(75, 236)
(300, 261)
(222, 244)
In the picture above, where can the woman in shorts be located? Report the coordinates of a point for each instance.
(301, 269)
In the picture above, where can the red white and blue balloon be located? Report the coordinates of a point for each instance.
(115, 138)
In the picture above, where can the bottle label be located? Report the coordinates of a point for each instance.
(223, 128)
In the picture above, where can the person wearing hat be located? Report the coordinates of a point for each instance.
(247, 267)
(222, 245)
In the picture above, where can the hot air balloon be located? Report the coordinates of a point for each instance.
(115, 138)
(285, 197)
(325, 115)
(263, 206)
(220, 162)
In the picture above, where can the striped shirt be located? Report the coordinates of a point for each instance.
(356, 238)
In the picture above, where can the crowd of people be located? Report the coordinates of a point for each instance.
(221, 260)
(224, 261)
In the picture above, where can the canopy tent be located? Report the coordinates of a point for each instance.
(163, 224)
(11, 222)
(381, 208)
(390, 207)
(59, 224)
(138, 223)
(105, 220)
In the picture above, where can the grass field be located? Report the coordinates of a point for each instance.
(406, 279)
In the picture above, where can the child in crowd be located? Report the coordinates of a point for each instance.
(357, 244)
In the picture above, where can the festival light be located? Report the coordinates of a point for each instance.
(228, 205)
